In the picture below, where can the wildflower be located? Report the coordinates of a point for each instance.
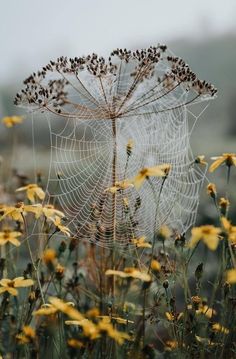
(60, 227)
(120, 186)
(8, 236)
(164, 233)
(32, 297)
(33, 191)
(10, 285)
(208, 234)
(10, 121)
(211, 190)
(206, 310)
(196, 299)
(108, 328)
(48, 211)
(217, 327)
(49, 258)
(145, 173)
(89, 328)
(27, 335)
(59, 271)
(92, 313)
(130, 273)
(228, 158)
(224, 205)
(46, 309)
(231, 276)
(229, 229)
(75, 343)
(169, 316)
(49, 309)
(129, 147)
(116, 319)
(171, 345)
(141, 242)
(14, 212)
(200, 160)
(155, 265)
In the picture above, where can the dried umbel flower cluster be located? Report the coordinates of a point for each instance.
(140, 65)
(126, 115)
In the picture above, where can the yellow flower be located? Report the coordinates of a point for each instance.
(231, 276)
(224, 205)
(156, 171)
(92, 313)
(229, 229)
(49, 256)
(196, 299)
(200, 160)
(60, 227)
(217, 327)
(10, 285)
(141, 242)
(207, 311)
(155, 265)
(46, 309)
(130, 273)
(89, 328)
(164, 232)
(228, 158)
(116, 319)
(27, 335)
(10, 121)
(59, 271)
(169, 316)
(74, 343)
(208, 234)
(105, 326)
(211, 190)
(129, 147)
(49, 309)
(7, 236)
(33, 191)
(14, 212)
(48, 211)
(171, 345)
(120, 186)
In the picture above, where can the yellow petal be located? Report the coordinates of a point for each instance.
(23, 283)
(14, 241)
(211, 242)
(31, 195)
(138, 181)
(5, 282)
(231, 276)
(40, 193)
(216, 164)
(12, 291)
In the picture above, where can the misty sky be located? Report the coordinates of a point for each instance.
(33, 32)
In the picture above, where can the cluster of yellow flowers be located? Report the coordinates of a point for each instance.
(18, 212)
(93, 329)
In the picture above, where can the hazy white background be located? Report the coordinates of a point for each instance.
(34, 31)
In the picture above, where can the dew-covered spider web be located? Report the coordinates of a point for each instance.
(144, 98)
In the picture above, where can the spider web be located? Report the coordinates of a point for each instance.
(82, 159)
(86, 155)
